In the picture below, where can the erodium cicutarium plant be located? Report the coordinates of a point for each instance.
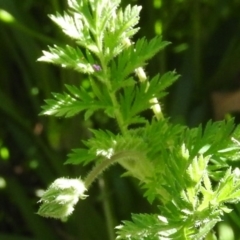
(175, 165)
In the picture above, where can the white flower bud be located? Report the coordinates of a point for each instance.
(141, 74)
(59, 199)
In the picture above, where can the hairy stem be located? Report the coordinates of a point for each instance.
(118, 114)
(99, 168)
(116, 105)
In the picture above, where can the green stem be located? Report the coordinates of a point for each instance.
(21, 27)
(107, 209)
(116, 105)
(99, 168)
(118, 114)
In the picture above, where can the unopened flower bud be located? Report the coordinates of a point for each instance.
(59, 199)
(141, 74)
(96, 67)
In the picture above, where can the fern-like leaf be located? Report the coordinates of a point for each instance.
(68, 105)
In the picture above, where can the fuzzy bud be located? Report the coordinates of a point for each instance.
(141, 74)
(59, 199)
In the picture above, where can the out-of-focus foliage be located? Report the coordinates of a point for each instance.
(205, 50)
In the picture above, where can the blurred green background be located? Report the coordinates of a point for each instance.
(205, 50)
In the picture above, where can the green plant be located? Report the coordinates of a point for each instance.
(186, 171)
